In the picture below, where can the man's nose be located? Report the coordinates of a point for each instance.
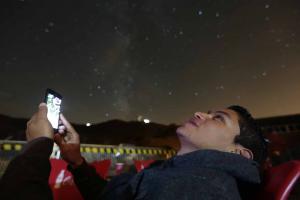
(201, 115)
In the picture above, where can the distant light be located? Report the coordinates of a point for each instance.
(88, 124)
(51, 24)
(140, 118)
(146, 121)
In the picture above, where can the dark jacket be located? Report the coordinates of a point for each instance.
(26, 176)
(203, 174)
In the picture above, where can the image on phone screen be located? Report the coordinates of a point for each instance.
(53, 101)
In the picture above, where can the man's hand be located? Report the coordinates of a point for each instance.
(68, 143)
(39, 125)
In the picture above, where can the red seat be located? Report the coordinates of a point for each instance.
(102, 167)
(279, 181)
(61, 180)
(142, 164)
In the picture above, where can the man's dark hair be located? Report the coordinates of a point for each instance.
(250, 135)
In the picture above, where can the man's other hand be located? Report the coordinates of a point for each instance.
(39, 125)
(69, 143)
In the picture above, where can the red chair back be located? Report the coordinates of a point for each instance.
(62, 183)
(102, 167)
(279, 180)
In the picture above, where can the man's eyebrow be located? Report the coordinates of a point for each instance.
(223, 113)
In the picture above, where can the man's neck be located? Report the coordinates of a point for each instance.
(186, 147)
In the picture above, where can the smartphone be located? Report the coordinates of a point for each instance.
(53, 100)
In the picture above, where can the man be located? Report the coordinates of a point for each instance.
(215, 161)
(26, 176)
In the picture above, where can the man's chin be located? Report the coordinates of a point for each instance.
(180, 131)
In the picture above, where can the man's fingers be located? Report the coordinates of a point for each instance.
(61, 128)
(42, 112)
(59, 140)
(71, 136)
(61, 131)
(66, 123)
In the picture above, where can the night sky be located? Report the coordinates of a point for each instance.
(156, 59)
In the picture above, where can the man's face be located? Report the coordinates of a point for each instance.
(212, 130)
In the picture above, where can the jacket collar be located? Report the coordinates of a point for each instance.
(241, 168)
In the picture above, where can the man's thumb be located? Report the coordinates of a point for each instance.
(42, 110)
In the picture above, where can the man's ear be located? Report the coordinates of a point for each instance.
(247, 153)
(239, 149)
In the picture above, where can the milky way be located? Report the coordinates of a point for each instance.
(161, 60)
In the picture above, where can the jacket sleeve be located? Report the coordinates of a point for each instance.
(89, 183)
(26, 176)
(93, 187)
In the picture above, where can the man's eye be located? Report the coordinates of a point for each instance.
(219, 118)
